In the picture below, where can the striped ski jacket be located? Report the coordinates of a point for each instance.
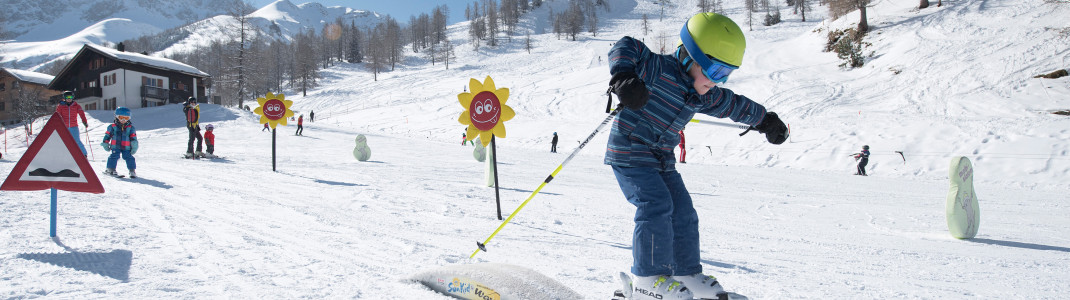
(121, 135)
(646, 137)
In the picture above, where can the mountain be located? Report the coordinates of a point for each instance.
(180, 28)
(46, 20)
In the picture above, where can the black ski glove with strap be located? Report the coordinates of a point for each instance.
(775, 131)
(630, 89)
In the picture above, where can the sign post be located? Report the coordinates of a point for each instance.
(274, 109)
(485, 114)
(53, 161)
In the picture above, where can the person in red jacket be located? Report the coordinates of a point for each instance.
(683, 152)
(68, 109)
(300, 126)
(209, 139)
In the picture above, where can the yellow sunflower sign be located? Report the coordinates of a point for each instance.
(485, 111)
(274, 109)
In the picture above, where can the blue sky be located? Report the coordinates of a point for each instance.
(399, 9)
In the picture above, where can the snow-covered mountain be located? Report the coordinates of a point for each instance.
(192, 26)
(46, 20)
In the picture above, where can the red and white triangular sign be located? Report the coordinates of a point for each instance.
(53, 161)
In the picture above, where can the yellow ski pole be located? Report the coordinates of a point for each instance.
(483, 246)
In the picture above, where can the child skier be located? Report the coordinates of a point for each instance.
(209, 140)
(121, 140)
(300, 125)
(863, 160)
(665, 243)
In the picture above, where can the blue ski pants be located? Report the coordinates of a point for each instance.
(77, 138)
(666, 239)
(113, 160)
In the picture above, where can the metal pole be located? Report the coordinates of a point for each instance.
(483, 246)
(494, 164)
(52, 220)
(273, 150)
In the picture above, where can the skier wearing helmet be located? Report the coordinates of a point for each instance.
(863, 160)
(121, 140)
(193, 117)
(665, 243)
(209, 140)
(68, 109)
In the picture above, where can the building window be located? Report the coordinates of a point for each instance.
(2, 87)
(3, 106)
(109, 104)
(91, 106)
(153, 82)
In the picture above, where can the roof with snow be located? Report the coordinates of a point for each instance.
(141, 59)
(29, 76)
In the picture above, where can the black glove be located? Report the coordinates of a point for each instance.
(630, 89)
(775, 131)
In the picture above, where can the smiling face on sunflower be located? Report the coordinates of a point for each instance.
(485, 111)
(274, 109)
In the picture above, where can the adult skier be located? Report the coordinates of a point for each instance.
(193, 117)
(863, 160)
(121, 140)
(665, 243)
(300, 125)
(68, 109)
(553, 144)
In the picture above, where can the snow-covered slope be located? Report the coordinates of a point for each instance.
(777, 222)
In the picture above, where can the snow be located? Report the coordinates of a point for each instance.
(138, 58)
(777, 221)
(30, 76)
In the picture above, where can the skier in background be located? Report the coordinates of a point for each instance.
(68, 109)
(665, 244)
(265, 127)
(209, 140)
(312, 116)
(863, 160)
(121, 140)
(464, 138)
(683, 151)
(193, 117)
(300, 125)
(553, 144)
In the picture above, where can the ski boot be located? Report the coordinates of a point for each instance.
(188, 155)
(654, 288)
(199, 154)
(132, 174)
(703, 286)
(110, 171)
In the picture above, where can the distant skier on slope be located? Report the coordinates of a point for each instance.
(665, 244)
(300, 125)
(863, 160)
(553, 144)
(121, 140)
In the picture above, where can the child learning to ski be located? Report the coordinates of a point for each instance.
(209, 140)
(121, 140)
(665, 242)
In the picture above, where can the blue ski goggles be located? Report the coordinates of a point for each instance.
(715, 70)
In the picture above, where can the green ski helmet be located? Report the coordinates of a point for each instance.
(719, 38)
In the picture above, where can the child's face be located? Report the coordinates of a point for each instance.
(123, 119)
(702, 84)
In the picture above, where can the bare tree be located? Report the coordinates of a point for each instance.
(240, 11)
(646, 25)
(29, 102)
(924, 4)
(838, 8)
(490, 8)
(801, 7)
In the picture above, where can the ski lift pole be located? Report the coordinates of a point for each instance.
(88, 144)
(483, 246)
